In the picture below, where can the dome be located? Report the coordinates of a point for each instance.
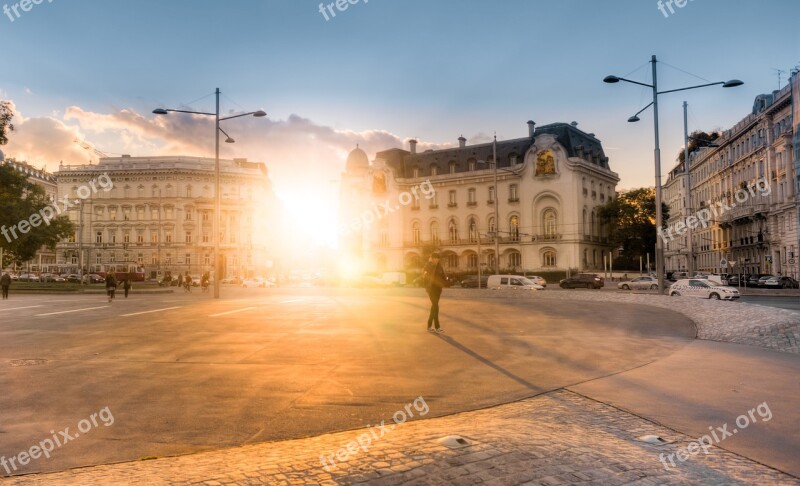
(357, 160)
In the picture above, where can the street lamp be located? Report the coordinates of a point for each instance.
(218, 199)
(657, 153)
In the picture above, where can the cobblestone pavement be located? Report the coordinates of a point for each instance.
(734, 322)
(560, 438)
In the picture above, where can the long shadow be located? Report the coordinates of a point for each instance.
(452, 342)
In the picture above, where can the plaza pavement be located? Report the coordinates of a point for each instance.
(565, 435)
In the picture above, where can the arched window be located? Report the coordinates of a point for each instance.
(550, 224)
(450, 261)
(435, 232)
(452, 229)
(549, 258)
(513, 225)
(491, 261)
(514, 259)
(492, 227)
(472, 260)
(415, 233)
(473, 231)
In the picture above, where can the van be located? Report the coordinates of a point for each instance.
(511, 282)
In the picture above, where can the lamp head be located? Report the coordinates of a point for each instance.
(633, 119)
(229, 140)
(732, 83)
(611, 79)
(260, 113)
(159, 111)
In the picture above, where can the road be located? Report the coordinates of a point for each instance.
(184, 373)
(783, 302)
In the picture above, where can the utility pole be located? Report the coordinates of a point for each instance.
(689, 208)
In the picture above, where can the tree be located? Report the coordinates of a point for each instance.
(696, 141)
(23, 202)
(6, 114)
(631, 220)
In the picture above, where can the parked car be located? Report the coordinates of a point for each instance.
(74, 278)
(752, 280)
(537, 280)
(52, 277)
(734, 280)
(588, 280)
(93, 278)
(28, 277)
(781, 283)
(702, 289)
(471, 282)
(639, 283)
(231, 280)
(256, 282)
(763, 280)
(496, 282)
(678, 276)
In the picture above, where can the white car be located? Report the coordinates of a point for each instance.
(538, 280)
(496, 282)
(257, 282)
(639, 283)
(702, 289)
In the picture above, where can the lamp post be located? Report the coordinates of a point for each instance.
(657, 151)
(218, 198)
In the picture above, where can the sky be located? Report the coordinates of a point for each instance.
(376, 74)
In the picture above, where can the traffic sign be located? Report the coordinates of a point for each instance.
(723, 263)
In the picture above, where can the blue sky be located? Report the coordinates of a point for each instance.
(379, 73)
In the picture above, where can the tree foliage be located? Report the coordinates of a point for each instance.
(19, 200)
(696, 141)
(6, 114)
(631, 220)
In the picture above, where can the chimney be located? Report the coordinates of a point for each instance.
(413, 144)
(462, 142)
(531, 127)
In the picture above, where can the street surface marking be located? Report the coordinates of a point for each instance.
(150, 311)
(18, 308)
(232, 312)
(69, 311)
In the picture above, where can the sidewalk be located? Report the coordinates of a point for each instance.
(560, 438)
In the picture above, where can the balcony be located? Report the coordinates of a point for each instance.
(452, 205)
(472, 204)
(513, 199)
(541, 238)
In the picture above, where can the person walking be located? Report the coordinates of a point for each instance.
(5, 282)
(435, 279)
(111, 286)
(126, 285)
(188, 282)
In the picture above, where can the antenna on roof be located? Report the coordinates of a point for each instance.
(779, 72)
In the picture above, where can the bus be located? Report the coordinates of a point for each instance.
(121, 270)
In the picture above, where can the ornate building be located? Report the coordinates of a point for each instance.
(760, 230)
(160, 215)
(549, 187)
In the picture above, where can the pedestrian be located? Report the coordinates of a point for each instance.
(435, 279)
(5, 282)
(188, 282)
(126, 285)
(111, 286)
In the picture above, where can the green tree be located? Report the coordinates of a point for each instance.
(19, 200)
(5, 121)
(696, 141)
(631, 221)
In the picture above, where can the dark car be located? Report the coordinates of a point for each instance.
(93, 278)
(734, 280)
(781, 283)
(471, 281)
(73, 278)
(587, 280)
(752, 280)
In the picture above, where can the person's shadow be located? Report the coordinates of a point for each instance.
(452, 342)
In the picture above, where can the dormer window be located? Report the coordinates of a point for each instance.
(434, 170)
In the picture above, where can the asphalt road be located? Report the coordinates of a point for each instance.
(184, 373)
(783, 302)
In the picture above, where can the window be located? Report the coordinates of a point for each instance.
(188, 259)
(491, 194)
(472, 260)
(154, 213)
(473, 231)
(514, 227)
(140, 238)
(513, 159)
(415, 233)
(471, 165)
(434, 201)
(153, 237)
(205, 237)
(492, 226)
(112, 214)
(415, 172)
(434, 170)
(512, 193)
(550, 224)
(98, 237)
(453, 167)
(112, 236)
(126, 214)
(188, 191)
(154, 259)
(549, 258)
(168, 259)
(188, 214)
(205, 215)
(451, 260)
(207, 259)
(384, 240)
(168, 237)
(452, 199)
(435, 233)
(514, 259)
(471, 197)
(98, 259)
(126, 237)
(188, 237)
(453, 231)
